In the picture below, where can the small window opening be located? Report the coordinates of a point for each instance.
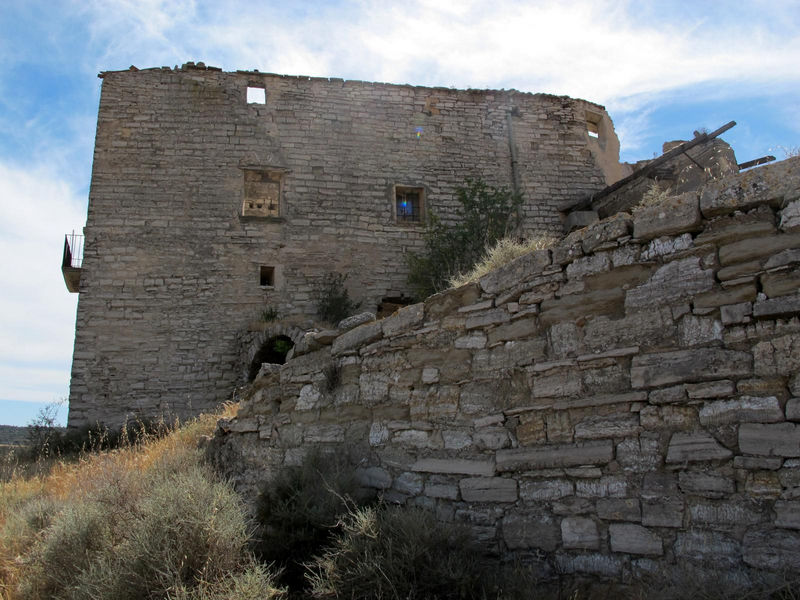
(408, 204)
(274, 351)
(267, 276)
(256, 95)
(593, 120)
(390, 304)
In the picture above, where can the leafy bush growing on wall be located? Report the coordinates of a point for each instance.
(486, 215)
(333, 299)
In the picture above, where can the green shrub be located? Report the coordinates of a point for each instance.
(269, 314)
(299, 510)
(333, 299)
(399, 553)
(485, 216)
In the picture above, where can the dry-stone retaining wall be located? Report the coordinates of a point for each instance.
(623, 402)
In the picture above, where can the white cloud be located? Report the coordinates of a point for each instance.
(37, 314)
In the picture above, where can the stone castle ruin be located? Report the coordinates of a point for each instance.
(622, 404)
(217, 195)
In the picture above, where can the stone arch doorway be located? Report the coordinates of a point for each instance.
(272, 350)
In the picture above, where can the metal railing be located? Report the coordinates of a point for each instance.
(73, 251)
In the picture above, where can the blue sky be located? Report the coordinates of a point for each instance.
(661, 68)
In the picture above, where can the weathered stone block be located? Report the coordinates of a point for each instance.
(446, 491)
(664, 246)
(742, 410)
(712, 389)
(588, 265)
(458, 466)
(634, 539)
(359, 336)
(691, 365)
(608, 426)
(772, 549)
(731, 295)
(793, 409)
(404, 319)
(518, 269)
(579, 533)
(708, 485)
(695, 447)
(488, 489)
(489, 317)
(778, 439)
(619, 509)
(708, 547)
(606, 230)
(669, 395)
(409, 483)
(757, 248)
(725, 514)
(561, 455)
(778, 356)
(780, 284)
(577, 219)
(609, 486)
(774, 308)
(787, 514)
(790, 216)
(639, 455)
(694, 330)
(374, 477)
(601, 565)
(531, 530)
(677, 214)
(451, 300)
(556, 385)
(733, 314)
(676, 280)
(517, 329)
(538, 490)
(662, 512)
(771, 184)
(758, 463)
(573, 306)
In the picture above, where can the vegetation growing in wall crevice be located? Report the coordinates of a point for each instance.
(333, 299)
(485, 216)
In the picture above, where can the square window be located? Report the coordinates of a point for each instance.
(267, 276)
(256, 95)
(409, 204)
(262, 194)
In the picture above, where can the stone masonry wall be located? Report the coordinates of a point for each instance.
(171, 272)
(625, 402)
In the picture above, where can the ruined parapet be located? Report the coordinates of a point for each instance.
(626, 402)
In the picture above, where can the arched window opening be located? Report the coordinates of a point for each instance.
(273, 351)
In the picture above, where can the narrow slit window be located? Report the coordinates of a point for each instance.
(267, 276)
(256, 95)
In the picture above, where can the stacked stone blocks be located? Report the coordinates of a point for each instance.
(626, 401)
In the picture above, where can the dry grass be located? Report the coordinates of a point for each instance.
(654, 196)
(77, 528)
(501, 254)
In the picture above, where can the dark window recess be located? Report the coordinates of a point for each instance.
(267, 276)
(593, 121)
(409, 205)
(274, 351)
